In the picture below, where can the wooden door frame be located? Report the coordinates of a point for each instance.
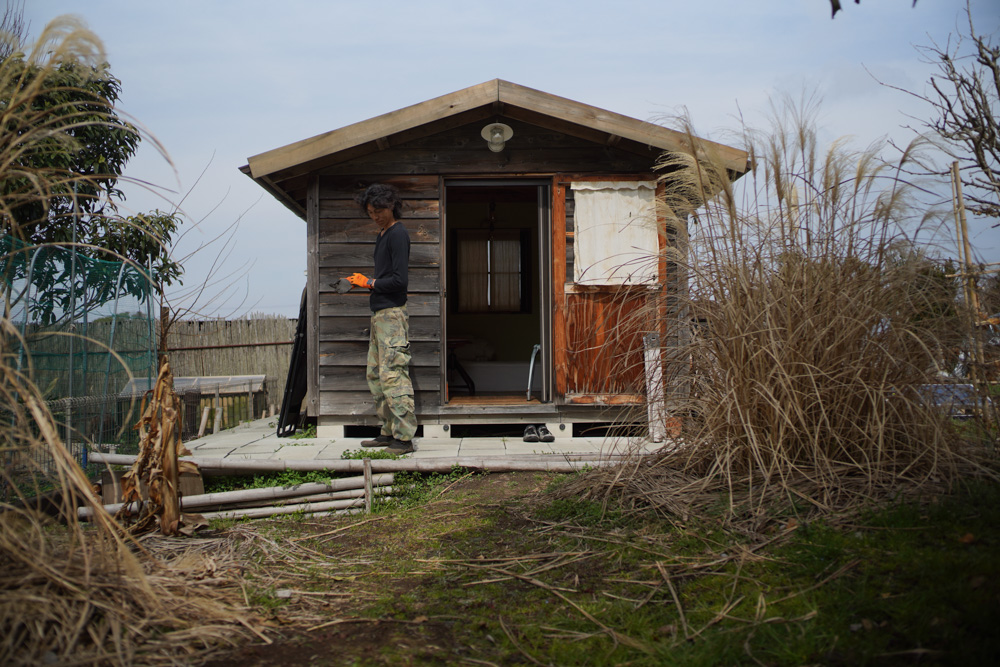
(545, 217)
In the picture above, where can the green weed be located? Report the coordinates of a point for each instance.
(308, 432)
(368, 454)
(265, 480)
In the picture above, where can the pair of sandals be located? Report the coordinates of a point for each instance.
(538, 434)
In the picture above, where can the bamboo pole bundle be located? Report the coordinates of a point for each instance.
(442, 464)
(266, 494)
(319, 497)
(308, 508)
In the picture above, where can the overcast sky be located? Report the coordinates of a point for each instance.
(216, 81)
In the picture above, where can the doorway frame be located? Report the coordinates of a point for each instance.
(543, 198)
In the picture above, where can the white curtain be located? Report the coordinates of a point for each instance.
(616, 239)
(489, 270)
(505, 271)
(473, 271)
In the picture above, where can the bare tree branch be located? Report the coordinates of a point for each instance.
(964, 98)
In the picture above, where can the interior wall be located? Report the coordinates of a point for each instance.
(511, 335)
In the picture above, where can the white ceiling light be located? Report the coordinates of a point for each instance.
(496, 135)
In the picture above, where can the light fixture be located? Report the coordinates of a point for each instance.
(496, 135)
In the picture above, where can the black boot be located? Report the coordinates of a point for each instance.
(400, 447)
(379, 441)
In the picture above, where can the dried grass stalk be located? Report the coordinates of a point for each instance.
(72, 594)
(157, 466)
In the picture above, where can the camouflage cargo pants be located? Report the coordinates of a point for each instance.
(389, 372)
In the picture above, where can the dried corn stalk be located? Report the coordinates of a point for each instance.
(157, 467)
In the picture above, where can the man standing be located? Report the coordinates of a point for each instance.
(389, 342)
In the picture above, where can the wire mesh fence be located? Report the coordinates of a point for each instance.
(83, 332)
(84, 326)
(79, 329)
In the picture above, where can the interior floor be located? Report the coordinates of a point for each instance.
(495, 399)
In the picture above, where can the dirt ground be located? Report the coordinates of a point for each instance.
(381, 560)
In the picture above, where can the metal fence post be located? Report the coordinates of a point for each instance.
(111, 346)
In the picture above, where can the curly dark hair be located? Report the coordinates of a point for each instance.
(381, 195)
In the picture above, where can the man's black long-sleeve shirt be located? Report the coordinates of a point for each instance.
(392, 259)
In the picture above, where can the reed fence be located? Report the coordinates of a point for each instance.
(252, 346)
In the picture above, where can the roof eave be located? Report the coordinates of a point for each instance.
(277, 192)
(373, 129)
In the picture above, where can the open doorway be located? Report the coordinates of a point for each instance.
(495, 302)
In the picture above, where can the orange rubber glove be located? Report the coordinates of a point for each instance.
(360, 281)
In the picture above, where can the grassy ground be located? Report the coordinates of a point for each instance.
(488, 569)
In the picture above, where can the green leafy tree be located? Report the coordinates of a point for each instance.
(63, 149)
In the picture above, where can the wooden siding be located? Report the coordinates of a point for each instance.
(532, 150)
(604, 329)
(346, 242)
(597, 126)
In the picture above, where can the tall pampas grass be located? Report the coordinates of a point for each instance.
(803, 324)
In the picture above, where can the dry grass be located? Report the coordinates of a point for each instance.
(84, 593)
(74, 593)
(804, 322)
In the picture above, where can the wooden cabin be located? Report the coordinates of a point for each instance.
(509, 252)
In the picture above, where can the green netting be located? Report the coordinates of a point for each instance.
(86, 328)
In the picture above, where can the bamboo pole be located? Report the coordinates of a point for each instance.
(976, 352)
(319, 497)
(441, 464)
(204, 421)
(217, 424)
(381, 491)
(368, 485)
(335, 513)
(266, 494)
(261, 512)
(655, 411)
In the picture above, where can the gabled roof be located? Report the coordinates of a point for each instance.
(494, 97)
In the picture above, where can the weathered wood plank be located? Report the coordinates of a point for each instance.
(312, 288)
(355, 353)
(606, 399)
(360, 403)
(372, 129)
(604, 329)
(357, 328)
(356, 303)
(573, 131)
(570, 234)
(322, 164)
(610, 122)
(526, 136)
(422, 279)
(413, 209)
(512, 160)
(410, 187)
(361, 255)
(362, 230)
(558, 280)
(352, 378)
